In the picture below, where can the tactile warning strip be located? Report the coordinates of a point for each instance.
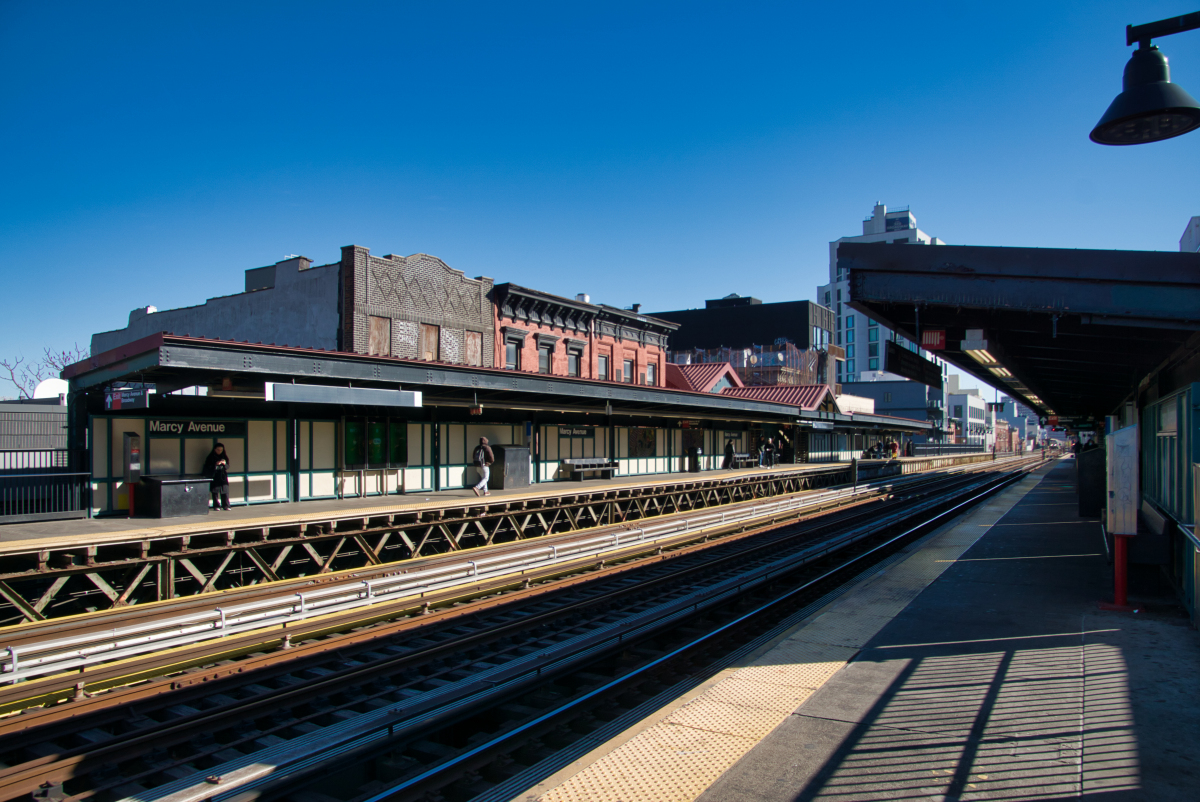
(677, 758)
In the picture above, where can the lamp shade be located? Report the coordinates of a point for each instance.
(1150, 108)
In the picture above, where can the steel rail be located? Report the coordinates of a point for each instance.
(504, 738)
(268, 765)
(41, 768)
(29, 660)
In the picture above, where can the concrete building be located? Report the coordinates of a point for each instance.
(862, 337)
(969, 412)
(788, 343)
(1190, 241)
(905, 399)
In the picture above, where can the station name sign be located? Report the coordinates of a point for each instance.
(197, 428)
(576, 431)
(903, 362)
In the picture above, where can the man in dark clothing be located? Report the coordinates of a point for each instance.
(483, 461)
(216, 468)
(728, 463)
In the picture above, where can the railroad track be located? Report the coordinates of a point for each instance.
(275, 721)
(72, 657)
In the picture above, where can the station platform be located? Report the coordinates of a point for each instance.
(974, 664)
(117, 528)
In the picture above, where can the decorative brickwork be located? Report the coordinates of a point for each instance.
(410, 291)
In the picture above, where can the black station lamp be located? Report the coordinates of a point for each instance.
(1150, 108)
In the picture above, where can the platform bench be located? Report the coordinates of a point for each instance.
(599, 466)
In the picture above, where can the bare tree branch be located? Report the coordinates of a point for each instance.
(25, 375)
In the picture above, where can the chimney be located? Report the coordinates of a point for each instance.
(584, 297)
(636, 308)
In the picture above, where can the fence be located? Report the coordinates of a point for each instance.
(942, 449)
(43, 496)
(34, 459)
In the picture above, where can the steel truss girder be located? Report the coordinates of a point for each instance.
(65, 580)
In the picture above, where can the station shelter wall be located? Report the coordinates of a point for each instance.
(257, 458)
(1170, 433)
(831, 447)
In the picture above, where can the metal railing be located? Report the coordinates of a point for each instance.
(34, 459)
(943, 449)
(43, 496)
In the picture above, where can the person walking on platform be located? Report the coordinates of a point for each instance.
(483, 461)
(216, 469)
(728, 462)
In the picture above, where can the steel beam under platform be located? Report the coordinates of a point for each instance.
(51, 578)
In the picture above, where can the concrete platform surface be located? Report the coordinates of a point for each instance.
(979, 666)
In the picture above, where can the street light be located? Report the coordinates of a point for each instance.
(1150, 108)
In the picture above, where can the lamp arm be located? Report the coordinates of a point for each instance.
(1142, 34)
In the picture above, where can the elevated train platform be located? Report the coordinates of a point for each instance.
(976, 663)
(66, 567)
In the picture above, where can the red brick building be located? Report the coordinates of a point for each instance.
(537, 332)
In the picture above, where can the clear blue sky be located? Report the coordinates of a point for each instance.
(660, 153)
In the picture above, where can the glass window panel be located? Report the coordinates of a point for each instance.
(376, 443)
(356, 443)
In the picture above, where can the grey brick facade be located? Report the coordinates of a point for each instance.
(411, 291)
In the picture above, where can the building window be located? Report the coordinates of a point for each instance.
(849, 365)
(849, 335)
(429, 342)
(887, 398)
(849, 321)
(872, 364)
(839, 338)
(839, 295)
(958, 410)
(602, 368)
(839, 324)
(652, 374)
(572, 363)
(850, 350)
(629, 371)
(873, 335)
(512, 355)
(873, 349)
(544, 358)
(827, 298)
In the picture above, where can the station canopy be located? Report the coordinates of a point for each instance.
(1069, 332)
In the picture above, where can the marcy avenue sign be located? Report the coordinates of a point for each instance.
(197, 428)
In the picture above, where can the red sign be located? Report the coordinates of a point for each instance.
(1052, 420)
(934, 339)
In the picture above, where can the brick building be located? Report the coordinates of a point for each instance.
(537, 332)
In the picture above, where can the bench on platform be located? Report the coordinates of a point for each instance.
(600, 466)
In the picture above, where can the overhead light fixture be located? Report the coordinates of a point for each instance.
(1150, 108)
(1003, 373)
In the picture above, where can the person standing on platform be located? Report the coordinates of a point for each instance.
(728, 463)
(769, 453)
(483, 461)
(216, 469)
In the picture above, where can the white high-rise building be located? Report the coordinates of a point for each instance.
(862, 337)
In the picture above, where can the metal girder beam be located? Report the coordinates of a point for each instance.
(14, 598)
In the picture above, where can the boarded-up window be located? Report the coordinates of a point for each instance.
(380, 338)
(429, 342)
(473, 348)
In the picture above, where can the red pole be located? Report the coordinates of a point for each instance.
(1120, 586)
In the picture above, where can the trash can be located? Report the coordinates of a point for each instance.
(172, 497)
(511, 468)
(693, 460)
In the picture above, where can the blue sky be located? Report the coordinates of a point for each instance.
(657, 153)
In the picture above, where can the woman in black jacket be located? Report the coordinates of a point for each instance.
(216, 468)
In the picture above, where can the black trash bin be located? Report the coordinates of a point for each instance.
(172, 496)
(511, 468)
(693, 460)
